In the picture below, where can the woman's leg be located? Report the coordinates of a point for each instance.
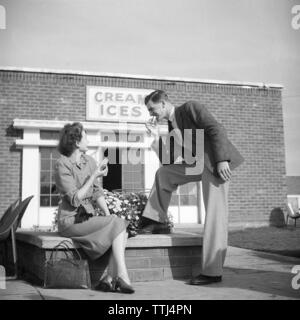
(118, 256)
(111, 269)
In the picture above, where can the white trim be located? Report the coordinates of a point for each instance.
(31, 179)
(147, 77)
(46, 216)
(184, 214)
(89, 126)
(53, 143)
(152, 162)
(37, 143)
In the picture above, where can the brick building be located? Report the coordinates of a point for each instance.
(35, 104)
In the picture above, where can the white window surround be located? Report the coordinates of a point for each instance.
(93, 129)
(31, 159)
(31, 142)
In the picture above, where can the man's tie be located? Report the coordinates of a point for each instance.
(170, 126)
(171, 149)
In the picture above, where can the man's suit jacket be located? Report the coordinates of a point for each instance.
(217, 147)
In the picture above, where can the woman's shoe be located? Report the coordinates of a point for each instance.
(104, 285)
(119, 283)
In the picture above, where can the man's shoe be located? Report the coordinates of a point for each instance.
(162, 228)
(201, 280)
(146, 230)
(155, 228)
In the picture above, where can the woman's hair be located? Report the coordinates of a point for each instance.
(156, 96)
(69, 135)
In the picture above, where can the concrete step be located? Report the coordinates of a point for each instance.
(148, 257)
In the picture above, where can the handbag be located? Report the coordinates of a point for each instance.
(66, 273)
(82, 215)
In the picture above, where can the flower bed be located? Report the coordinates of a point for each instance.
(126, 205)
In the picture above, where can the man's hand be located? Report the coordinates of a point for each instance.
(223, 170)
(152, 129)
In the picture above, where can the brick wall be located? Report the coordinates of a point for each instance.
(252, 116)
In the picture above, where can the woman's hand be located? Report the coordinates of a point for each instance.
(102, 169)
(104, 172)
(103, 163)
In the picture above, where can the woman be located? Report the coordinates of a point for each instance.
(76, 179)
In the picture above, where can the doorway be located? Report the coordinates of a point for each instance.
(114, 178)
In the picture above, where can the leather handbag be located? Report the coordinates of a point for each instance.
(82, 215)
(68, 272)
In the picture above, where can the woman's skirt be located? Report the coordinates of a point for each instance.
(95, 236)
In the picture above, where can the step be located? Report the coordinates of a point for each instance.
(148, 257)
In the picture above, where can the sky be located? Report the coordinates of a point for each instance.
(234, 40)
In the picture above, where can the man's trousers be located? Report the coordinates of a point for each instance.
(215, 196)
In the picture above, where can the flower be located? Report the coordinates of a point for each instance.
(126, 205)
(55, 221)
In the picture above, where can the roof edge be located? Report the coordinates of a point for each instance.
(147, 77)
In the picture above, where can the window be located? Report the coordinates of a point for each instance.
(48, 193)
(49, 135)
(110, 136)
(133, 137)
(133, 174)
(185, 195)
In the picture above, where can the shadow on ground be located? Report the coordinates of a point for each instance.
(248, 284)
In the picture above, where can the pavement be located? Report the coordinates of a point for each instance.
(248, 275)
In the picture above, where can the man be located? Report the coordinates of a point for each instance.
(220, 158)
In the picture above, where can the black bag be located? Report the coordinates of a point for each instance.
(67, 273)
(82, 215)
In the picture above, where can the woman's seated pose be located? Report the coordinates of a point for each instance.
(76, 176)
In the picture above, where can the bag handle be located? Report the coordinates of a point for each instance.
(55, 250)
(65, 245)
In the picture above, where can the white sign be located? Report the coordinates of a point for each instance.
(116, 104)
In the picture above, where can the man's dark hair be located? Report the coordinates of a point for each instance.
(69, 135)
(156, 96)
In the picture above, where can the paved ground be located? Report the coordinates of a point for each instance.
(248, 275)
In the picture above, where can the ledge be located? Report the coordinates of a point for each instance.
(48, 240)
(53, 143)
(93, 126)
(245, 84)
